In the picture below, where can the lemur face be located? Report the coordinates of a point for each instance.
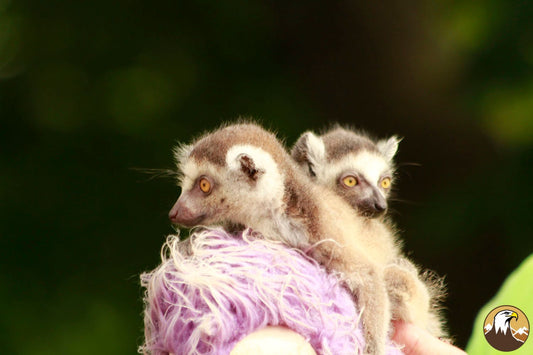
(355, 167)
(364, 180)
(236, 191)
(201, 199)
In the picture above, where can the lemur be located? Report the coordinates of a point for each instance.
(242, 175)
(351, 164)
(361, 171)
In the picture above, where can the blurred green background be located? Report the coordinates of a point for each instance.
(92, 90)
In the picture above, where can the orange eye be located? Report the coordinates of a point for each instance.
(349, 181)
(386, 183)
(205, 185)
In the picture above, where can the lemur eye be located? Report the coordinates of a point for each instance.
(386, 183)
(205, 185)
(349, 181)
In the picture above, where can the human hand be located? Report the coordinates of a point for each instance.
(273, 340)
(417, 341)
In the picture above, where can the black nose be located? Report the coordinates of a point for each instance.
(380, 207)
(371, 208)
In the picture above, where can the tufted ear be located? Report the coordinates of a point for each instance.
(248, 166)
(182, 152)
(309, 150)
(389, 147)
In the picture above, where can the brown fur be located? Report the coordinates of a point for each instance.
(340, 141)
(213, 147)
(318, 221)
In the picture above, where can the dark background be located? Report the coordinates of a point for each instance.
(91, 90)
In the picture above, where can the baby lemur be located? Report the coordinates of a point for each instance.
(351, 164)
(361, 171)
(242, 175)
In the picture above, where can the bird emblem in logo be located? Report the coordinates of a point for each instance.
(506, 328)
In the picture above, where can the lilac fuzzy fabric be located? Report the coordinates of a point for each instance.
(213, 289)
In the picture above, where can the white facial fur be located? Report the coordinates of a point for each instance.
(265, 211)
(371, 165)
(269, 186)
(191, 170)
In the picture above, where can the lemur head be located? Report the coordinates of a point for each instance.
(232, 175)
(351, 164)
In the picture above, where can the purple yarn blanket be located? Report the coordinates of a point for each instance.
(215, 288)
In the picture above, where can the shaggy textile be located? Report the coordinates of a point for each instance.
(213, 289)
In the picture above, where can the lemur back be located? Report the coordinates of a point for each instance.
(242, 175)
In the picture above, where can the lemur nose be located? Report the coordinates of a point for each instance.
(173, 214)
(380, 207)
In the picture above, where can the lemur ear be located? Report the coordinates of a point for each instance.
(389, 147)
(249, 167)
(182, 152)
(310, 150)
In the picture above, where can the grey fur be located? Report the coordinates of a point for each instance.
(414, 297)
(326, 159)
(284, 204)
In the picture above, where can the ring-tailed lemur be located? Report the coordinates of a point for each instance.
(242, 175)
(351, 164)
(361, 171)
